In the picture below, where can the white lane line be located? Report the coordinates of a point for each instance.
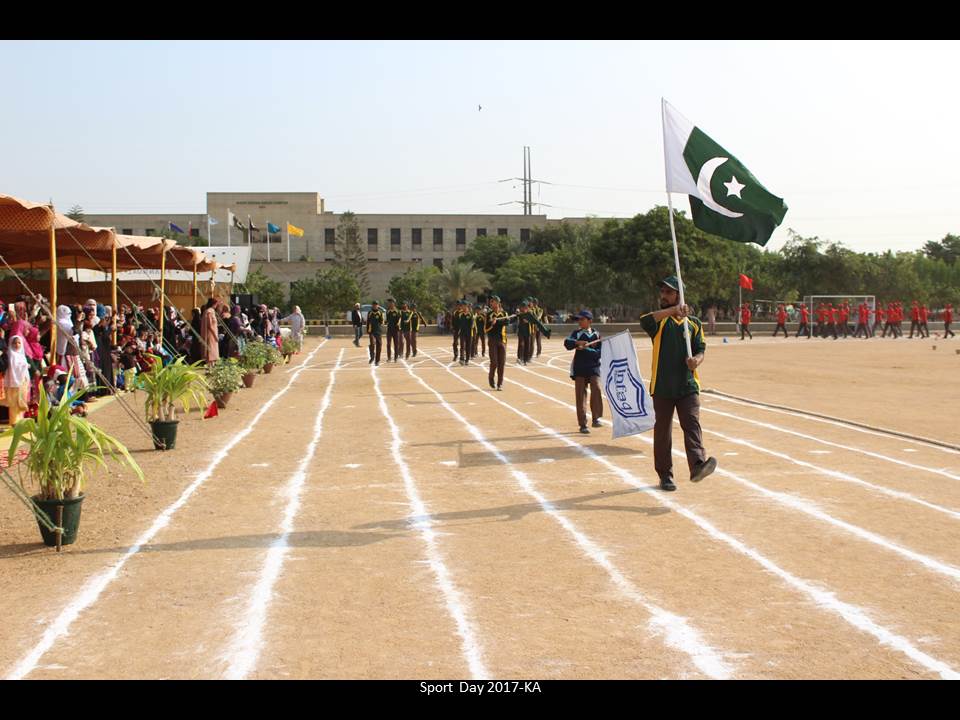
(96, 585)
(869, 453)
(819, 452)
(806, 505)
(244, 650)
(420, 519)
(680, 635)
(845, 426)
(352, 466)
(855, 616)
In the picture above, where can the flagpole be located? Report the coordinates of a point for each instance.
(288, 241)
(228, 226)
(673, 230)
(268, 241)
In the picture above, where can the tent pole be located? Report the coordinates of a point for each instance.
(113, 291)
(194, 282)
(163, 292)
(53, 289)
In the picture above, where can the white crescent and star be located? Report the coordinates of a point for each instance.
(703, 185)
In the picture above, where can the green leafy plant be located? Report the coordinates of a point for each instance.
(62, 447)
(254, 356)
(169, 385)
(273, 355)
(224, 376)
(289, 346)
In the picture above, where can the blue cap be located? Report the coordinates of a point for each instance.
(585, 314)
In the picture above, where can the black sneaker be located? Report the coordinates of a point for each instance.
(597, 423)
(499, 387)
(666, 484)
(369, 361)
(492, 386)
(703, 469)
(584, 429)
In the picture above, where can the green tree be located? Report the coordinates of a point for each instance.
(76, 213)
(350, 252)
(490, 252)
(331, 290)
(419, 285)
(546, 238)
(947, 249)
(524, 275)
(460, 279)
(267, 290)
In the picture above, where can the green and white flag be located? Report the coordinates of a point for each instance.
(725, 198)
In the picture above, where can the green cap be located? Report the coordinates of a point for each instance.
(375, 302)
(495, 297)
(670, 282)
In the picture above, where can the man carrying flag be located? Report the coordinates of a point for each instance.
(725, 200)
(675, 385)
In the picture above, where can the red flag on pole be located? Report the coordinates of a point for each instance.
(212, 411)
(745, 282)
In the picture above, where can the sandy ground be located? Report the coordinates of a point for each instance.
(406, 522)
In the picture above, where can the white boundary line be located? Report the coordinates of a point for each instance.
(855, 616)
(870, 453)
(420, 520)
(804, 505)
(836, 423)
(679, 634)
(91, 591)
(244, 650)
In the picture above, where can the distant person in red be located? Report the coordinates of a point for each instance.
(947, 319)
(863, 321)
(924, 316)
(781, 321)
(915, 320)
(804, 322)
(844, 313)
(832, 317)
(891, 320)
(745, 321)
(878, 317)
(821, 327)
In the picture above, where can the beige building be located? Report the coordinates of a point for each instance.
(395, 242)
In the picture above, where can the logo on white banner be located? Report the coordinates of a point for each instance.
(626, 390)
(623, 386)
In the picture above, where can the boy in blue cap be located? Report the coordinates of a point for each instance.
(585, 369)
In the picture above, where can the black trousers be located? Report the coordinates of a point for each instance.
(745, 329)
(861, 328)
(498, 359)
(947, 332)
(376, 344)
(915, 325)
(804, 329)
(778, 328)
(688, 412)
(407, 342)
(394, 340)
(466, 339)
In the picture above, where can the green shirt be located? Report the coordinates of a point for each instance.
(375, 321)
(670, 377)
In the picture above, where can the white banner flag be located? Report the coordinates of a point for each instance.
(631, 406)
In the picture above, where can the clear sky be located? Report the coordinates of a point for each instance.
(859, 138)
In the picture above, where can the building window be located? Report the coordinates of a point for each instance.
(149, 232)
(438, 238)
(461, 238)
(501, 231)
(416, 237)
(525, 235)
(481, 232)
(394, 259)
(329, 239)
(194, 232)
(438, 263)
(394, 238)
(372, 239)
(127, 231)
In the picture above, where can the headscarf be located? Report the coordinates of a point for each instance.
(18, 371)
(34, 348)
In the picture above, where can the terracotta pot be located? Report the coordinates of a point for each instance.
(268, 368)
(223, 399)
(248, 378)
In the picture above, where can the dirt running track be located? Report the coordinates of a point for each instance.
(340, 521)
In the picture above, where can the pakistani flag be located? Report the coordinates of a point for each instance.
(725, 198)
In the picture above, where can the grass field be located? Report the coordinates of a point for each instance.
(340, 521)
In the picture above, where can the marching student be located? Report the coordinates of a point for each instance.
(376, 319)
(415, 321)
(393, 330)
(831, 317)
(781, 321)
(675, 385)
(947, 319)
(745, 321)
(495, 327)
(526, 322)
(804, 322)
(844, 313)
(863, 321)
(538, 311)
(820, 329)
(463, 324)
(479, 336)
(924, 316)
(406, 323)
(915, 320)
(878, 317)
(585, 370)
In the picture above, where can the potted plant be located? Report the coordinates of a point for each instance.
(62, 448)
(288, 347)
(252, 360)
(273, 358)
(224, 377)
(167, 386)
